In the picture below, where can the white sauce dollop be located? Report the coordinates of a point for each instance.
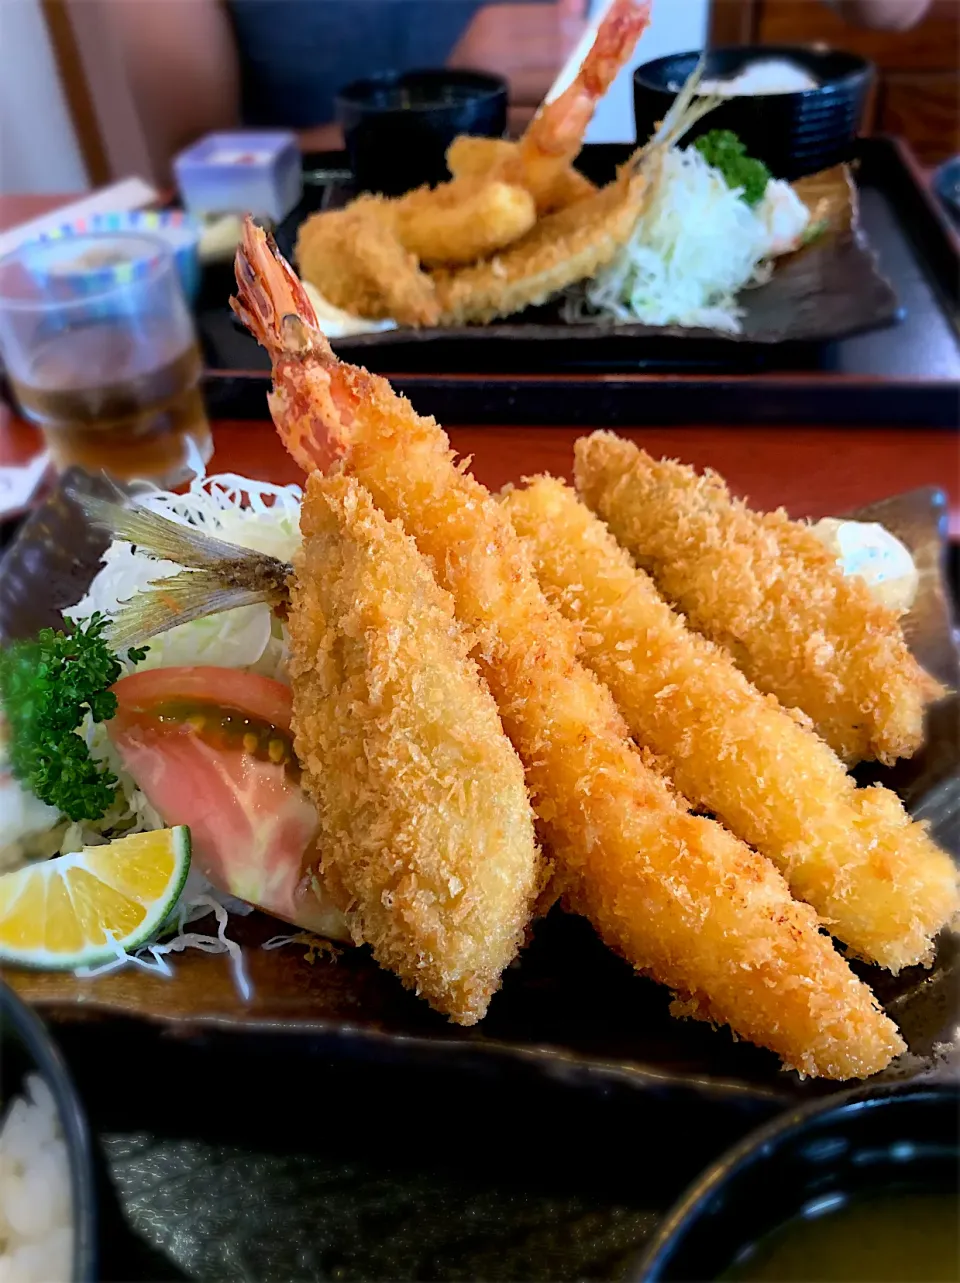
(869, 550)
(784, 216)
(337, 324)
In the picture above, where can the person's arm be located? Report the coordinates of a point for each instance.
(180, 61)
(885, 15)
(527, 43)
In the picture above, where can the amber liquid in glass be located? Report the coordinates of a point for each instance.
(122, 397)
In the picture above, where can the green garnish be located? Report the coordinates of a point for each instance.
(722, 149)
(47, 687)
(813, 231)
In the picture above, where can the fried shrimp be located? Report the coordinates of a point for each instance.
(357, 261)
(574, 243)
(463, 220)
(562, 248)
(426, 832)
(366, 259)
(767, 590)
(541, 160)
(678, 896)
(470, 157)
(853, 854)
(554, 137)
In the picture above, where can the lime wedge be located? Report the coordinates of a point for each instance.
(75, 910)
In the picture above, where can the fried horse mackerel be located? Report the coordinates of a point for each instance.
(676, 894)
(425, 833)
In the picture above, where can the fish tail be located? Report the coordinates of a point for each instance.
(217, 575)
(190, 595)
(686, 109)
(159, 536)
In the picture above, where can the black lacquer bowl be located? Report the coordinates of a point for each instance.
(398, 126)
(27, 1048)
(862, 1144)
(793, 134)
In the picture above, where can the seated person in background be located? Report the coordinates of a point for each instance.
(201, 65)
(295, 54)
(886, 15)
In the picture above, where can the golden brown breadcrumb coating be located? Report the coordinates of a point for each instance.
(765, 588)
(470, 157)
(558, 251)
(426, 836)
(870, 872)
(463, 220)
(681, 898)
(356, 260)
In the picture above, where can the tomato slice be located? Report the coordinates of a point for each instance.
(210, 747)
(260, 697)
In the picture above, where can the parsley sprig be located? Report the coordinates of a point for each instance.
(47, 687)
(722, 149)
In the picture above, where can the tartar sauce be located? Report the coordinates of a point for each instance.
(869, 550)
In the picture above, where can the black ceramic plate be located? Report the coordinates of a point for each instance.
(568, 1008)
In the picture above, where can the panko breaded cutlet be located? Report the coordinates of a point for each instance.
(426, 831)
(356, 260)
(767, 590)
(872, 874)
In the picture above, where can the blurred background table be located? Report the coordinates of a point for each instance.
(811, 471)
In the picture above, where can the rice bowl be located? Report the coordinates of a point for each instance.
(47, 1186)
(36, 1225)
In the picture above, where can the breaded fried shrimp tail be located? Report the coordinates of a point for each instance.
(853, 854)
(679, 896)
(765, 588)
(426, 831)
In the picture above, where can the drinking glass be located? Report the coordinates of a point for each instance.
(100, 350)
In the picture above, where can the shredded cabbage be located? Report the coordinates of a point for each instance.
(695, 246)
(151, 957)
(251, 514)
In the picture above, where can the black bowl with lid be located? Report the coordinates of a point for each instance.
(398, 125)
(792, 133)
(874, 1153)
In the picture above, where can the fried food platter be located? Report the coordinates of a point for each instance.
(672, 241)
(831, 289)
(637, 700)
(569, 1008)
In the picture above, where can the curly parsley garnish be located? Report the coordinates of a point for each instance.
(47, 687)
(722, 149)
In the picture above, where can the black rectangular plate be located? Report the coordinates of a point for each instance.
(908, 373)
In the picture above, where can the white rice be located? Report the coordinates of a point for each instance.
(767, 76)
(36, 1230)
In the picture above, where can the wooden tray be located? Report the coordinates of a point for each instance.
(526, 373)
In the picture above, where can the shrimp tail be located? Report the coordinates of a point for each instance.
(558, 127)
(270, 301)
(313, 395)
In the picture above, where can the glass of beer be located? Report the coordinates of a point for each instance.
(100, 350)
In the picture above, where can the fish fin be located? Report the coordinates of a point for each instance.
(155, 535)
(167, 603)
(686, 109)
